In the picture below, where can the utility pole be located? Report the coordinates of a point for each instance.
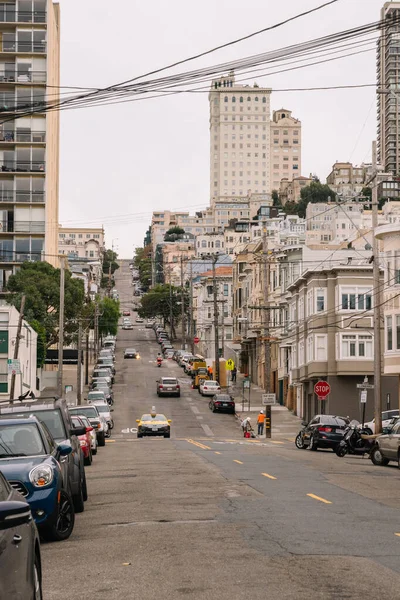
(266, 335)
(87, 357)
(377, 300)
(96, 329)
(79, 366)
(216, 333)
(171, 312)
(191, 323)
(60, 388)
(183, 308)
(16, 347)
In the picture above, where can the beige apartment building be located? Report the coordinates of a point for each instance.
(239, 139)
(388, 72)
(290, 191)
(345, 179)
(29, 139)
(82, 243)
(285, 149)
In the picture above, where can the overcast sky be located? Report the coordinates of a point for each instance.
(119, 163)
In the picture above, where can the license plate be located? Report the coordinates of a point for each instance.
(224, 405)
(155, 428)
(169, 388)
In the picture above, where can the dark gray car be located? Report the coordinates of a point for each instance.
(168, 386)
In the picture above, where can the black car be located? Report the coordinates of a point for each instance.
(20, 564)
(131, 353)
(53, 412)
(222, 403)
(323, 431)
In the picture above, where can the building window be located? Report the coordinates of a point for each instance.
(397, 276)
(389, 332)
(241, 99)
(356, 299)
(310, 310)
(226, 289)
(320, 300)
(321, 342)
(310, 348)
(301, 353)
(356, 346)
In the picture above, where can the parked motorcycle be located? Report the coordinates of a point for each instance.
(353, 442)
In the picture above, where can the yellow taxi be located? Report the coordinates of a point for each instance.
(153, 423)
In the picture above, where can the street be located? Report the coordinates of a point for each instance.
(209, 515)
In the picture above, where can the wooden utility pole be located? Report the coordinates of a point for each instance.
(183, 308)
(60, 389)
(377, 300)
(87, 358)
(266, 335)
(96, 330)
(191, 323)
(79, 366)
(16, 347)
(216, 333)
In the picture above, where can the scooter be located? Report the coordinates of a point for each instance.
(159, 362)
(353, 441)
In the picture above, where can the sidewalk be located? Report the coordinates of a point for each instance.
(284, 424)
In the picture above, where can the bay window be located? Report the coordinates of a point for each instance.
(356, 346)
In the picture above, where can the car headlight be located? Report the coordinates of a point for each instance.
(41, 476)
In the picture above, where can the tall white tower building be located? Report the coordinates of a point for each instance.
(239, 140)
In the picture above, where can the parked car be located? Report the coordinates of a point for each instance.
(109, 344)
(92, 434)
(84, 440)
(107, 352)
(148, 325)
(102, 386)
(209, 387)
(169, 352)
(127, 326)
(96, 395)
(131, 353)
(154, 424)
(105, 411)
(98, 423)
(103, 372)
(106, 362)
(168, 386)
(100, 381)
(222, 403)
(20, 564)
(32, 462)
(126, 313)
(323, 431)
(387, 416)
(387, 447)
(139, 320)
(53, 412)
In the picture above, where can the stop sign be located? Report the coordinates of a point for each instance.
(196, 340)
(322, 389)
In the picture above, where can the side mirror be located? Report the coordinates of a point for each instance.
(137, 420)
(65, 449)
(304, 423)
(169, 421)
(78, 431)
(13, 513)
(111, 410)
(88, 429)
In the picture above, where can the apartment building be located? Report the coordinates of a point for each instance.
(239, 139)
(290, 190)
(174, 259)
(285, 147)
(330, 337)
(203, 305)
(210, 242)
(388, 72)
(79, 242)
(29, 137)
(345, 179)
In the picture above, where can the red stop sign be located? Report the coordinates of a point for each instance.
(196, 340)
(322, 389)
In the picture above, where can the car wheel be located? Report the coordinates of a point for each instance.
(377, 458)
(102, 439)
(312, 446)
(88, 460)
(167, 435)
(140, 435)
(299, 442)
(94, 451)
(37, 578)
(178, 395)
(398, 459)
(214, 409)
(79, 503)
(158, 394)
(84, 487)
(63, 524)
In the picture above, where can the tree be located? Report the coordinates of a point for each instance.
(315, 192)
(276, 201)
(158, 301)
(173, 234)
(109, 258)
(108, 316)
(40, 283)
(142, 262)
(41, 342)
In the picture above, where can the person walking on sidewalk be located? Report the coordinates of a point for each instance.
(234, 371)
(260, 422)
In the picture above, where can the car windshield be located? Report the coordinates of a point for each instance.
(211, 383)
(130, 350)
(223, 398)
(338, 421)
(89, 411)
(103, 408)
(84, 420)
(146, 418)
(95, 395)
(76, 422)
(20, 440)
(54, 422)
(389, 414)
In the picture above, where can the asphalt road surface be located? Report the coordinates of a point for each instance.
(207, 515)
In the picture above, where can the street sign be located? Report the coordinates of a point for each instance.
(269, 399)
(363, 398)
(230, 364)
(246, 383)
(365, 386)
(322, 389)
(196, 340)
(13, 366)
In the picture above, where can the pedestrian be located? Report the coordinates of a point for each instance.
(234, 371)
(246, 426)
(260, 422)
(209, 372)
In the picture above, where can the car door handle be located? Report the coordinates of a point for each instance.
(17, 539)
(63, 460)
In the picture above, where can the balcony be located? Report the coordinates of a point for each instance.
(10, 15)
(22, 227)
(20, 166)
(31, 137)
(22, 196)
(16, 76)
(13, 45)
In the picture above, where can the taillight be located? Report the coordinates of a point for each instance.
(83, 443)
(325, 429)
(178, 387)
(217, 403)
(160, 387)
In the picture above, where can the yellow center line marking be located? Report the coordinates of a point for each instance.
(276, 442)
(110, 441)
(239, 462)
(202, 446)
(319, 498)
(398, 534)
(217, 452)
(269, 476)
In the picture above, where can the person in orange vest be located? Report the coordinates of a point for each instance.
(210, 372)
(260, 422)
